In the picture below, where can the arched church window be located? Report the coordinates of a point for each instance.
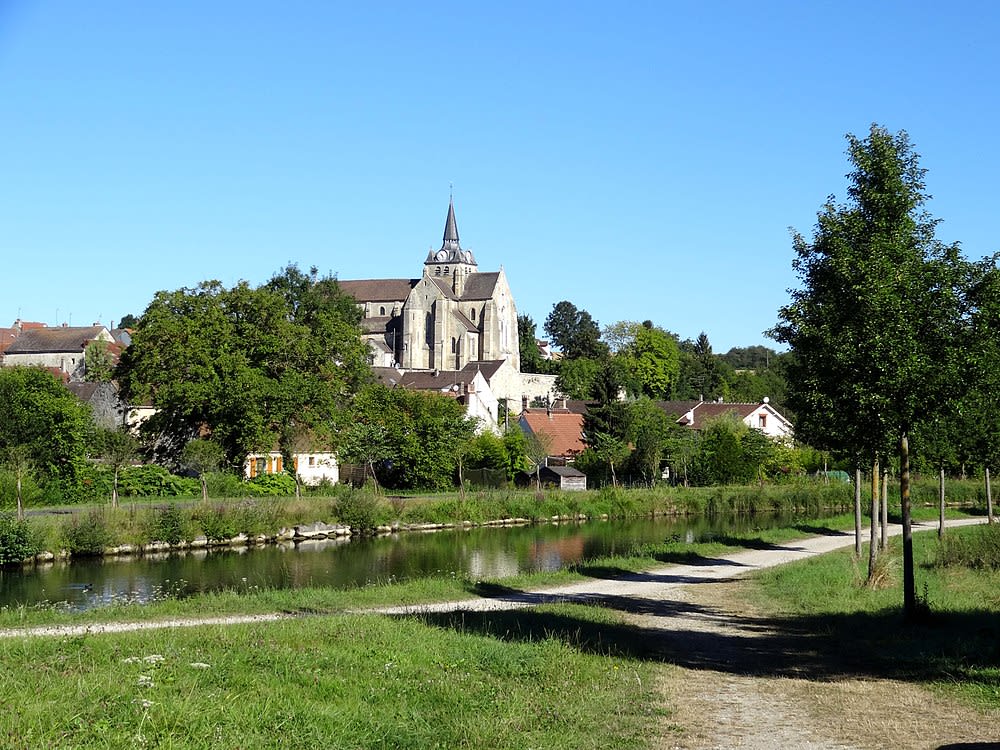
(446, 271)
(437, 271)
(381, 311)
(454, 345)
(473, 315)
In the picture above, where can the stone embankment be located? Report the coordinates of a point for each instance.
(292, 536)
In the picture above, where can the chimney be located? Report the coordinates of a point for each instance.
(524, 403)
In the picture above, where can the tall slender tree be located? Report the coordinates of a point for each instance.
(875, 323)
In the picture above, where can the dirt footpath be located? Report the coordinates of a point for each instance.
(739, 707)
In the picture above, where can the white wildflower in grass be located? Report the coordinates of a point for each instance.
(152, 659)
(200, 665)
(145, 681)
(131, 660)
(145, 703)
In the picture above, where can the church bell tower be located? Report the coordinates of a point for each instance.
(451, 263)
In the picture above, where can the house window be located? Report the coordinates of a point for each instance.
(261, 466)
(762, 421)
(312, 460)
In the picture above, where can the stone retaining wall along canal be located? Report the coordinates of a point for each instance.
(294, 535)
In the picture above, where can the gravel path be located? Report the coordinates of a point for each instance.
(734, 682)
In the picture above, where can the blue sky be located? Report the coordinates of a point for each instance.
(642, 160)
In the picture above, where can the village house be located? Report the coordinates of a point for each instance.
(760, 416)
(311, 468)
(60, 349)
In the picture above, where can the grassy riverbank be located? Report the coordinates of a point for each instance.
(89, 530)
(348, 681)
(555, 677)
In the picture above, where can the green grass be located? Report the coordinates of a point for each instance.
(956, 648)
(344, 681)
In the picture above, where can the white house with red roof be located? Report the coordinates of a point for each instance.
(760, 416)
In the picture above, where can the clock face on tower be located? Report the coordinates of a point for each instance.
(441, 255)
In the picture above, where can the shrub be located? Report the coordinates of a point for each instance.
(168, 525)
(155, 481)
(87, 534)
(975, 548)
(224, 484)
(272, 485)
(357, 509)
(217, 524)
(16, 541)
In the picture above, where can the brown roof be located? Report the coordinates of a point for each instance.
(46, 340)
(375, 325)
(488, 367)
(480, 286)
(463, 320)
(378, 290)
(7, 336)
(707, 411)
(564, 427)
(422, 380)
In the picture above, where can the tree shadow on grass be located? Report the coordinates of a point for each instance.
(964, 645)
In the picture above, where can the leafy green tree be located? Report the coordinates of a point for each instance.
(202, 457)
(702, 374)
(18, 462)
(251, 365)
(128, 321)
(118, 448)
(652, 360)
(576, 377)
(650, 432)
(538, 446)
(730, 452)
(411, 439)
(875, 324)
(99, 365)
(575, 332)
(39, 415)
(531, 358)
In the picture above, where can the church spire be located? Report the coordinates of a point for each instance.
(451, 251)
(450, 242)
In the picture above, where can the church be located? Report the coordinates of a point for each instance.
(451, 316)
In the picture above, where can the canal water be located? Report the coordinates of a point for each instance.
(477, 553)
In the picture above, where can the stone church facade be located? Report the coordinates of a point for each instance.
(451, 316)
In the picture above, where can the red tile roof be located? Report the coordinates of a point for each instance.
(564, 427)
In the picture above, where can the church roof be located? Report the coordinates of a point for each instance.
(480, 286)
(464, 321)
(375, 325)
(378, 290)
(444, 284)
